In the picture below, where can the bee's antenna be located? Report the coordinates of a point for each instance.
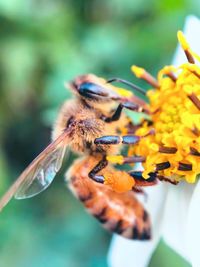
(132, 85)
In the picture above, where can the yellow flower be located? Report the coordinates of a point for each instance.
(174, 102)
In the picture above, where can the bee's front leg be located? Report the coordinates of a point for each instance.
(128, 105)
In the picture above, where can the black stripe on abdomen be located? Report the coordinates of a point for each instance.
(101, 216)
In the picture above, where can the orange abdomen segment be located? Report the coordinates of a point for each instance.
(121, 213)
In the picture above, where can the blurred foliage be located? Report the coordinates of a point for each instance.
(44, 43)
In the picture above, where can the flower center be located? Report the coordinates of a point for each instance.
(174, 150)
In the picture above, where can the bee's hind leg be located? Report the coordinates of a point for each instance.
(93, 174)
(100, 166)
(119, 181)
(141, 181)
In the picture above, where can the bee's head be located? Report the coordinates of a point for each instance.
(92, 88)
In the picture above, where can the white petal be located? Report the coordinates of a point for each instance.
(193, 228)
(175, 219)
(130, 253)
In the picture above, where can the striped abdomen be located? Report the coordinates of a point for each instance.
(119, 213)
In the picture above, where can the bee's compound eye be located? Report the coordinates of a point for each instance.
(91, 90)
(84, 88)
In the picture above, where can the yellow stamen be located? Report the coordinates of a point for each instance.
(116, 159)
(139, 72)
(143, 74)
(182, 40)
(184, 44)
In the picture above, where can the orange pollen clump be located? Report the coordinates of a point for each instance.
(119, 181)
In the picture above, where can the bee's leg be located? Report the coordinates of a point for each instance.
(153, 178)
(129, 105)
(121, 160)
(119, 181)
(100, 166)
(136, 175)
(141, 181)
(165, 179)
(116, 159)
(116, 139)
(139, 190)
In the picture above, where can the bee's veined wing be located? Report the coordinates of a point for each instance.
(40, 173)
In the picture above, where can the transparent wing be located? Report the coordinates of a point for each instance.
(40, 173)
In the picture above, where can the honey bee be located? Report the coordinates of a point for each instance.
(90, 124)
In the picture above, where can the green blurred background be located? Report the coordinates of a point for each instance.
(44, 43)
